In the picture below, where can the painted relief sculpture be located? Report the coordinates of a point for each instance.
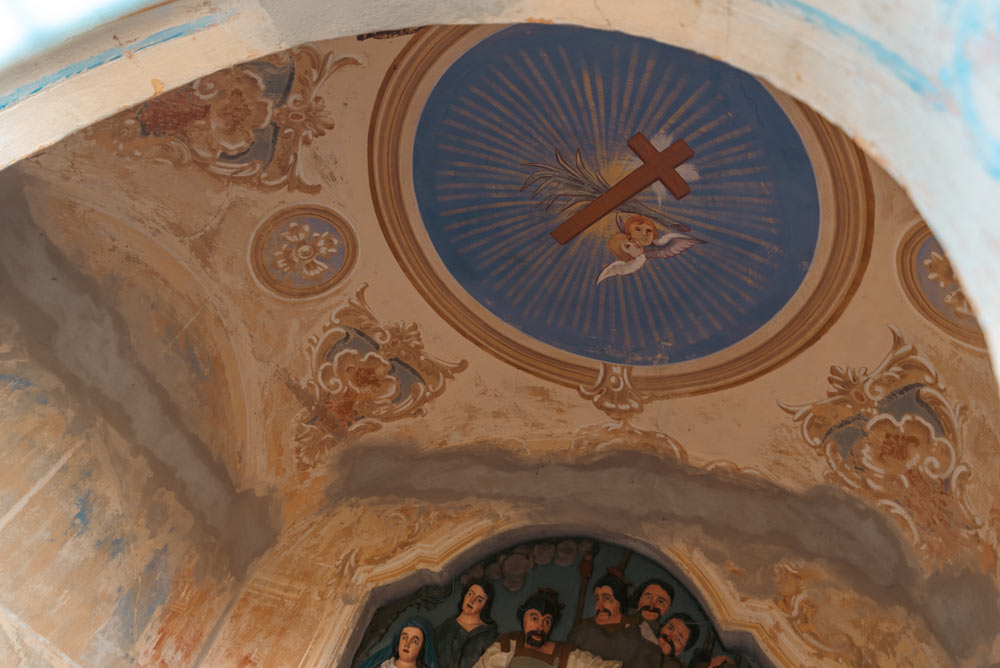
(246, 124)
(412, 647)
(894, 436)
(527, 590)
(365, 373)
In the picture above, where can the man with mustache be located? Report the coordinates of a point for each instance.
(612, 634)
(532, 648)
(680, 633)
(655, 597)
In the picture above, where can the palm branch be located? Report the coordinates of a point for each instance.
(570, 187)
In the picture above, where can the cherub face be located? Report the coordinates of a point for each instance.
(640, 231)
(632, 248)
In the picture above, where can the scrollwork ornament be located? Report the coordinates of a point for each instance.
(893, 436)
(364, 374)
(614, 393)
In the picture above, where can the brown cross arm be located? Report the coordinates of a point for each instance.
(677, 153)
(628, 187)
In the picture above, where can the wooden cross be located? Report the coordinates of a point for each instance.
(656, 166)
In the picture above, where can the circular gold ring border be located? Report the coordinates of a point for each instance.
(854, 199)
(906, 266)
(264, 229)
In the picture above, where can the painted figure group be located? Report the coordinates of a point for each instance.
(647, 637)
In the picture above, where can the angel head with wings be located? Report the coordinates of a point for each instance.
(637, 240)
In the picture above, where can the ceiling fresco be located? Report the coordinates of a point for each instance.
(380, 314)
(487, 141)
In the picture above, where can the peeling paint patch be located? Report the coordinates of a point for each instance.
(15, 382)
(84, 513)
(133, 612)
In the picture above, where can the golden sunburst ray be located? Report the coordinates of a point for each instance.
(640, 93)
(560, 267)
(526, 278)
(465, 195)
(501, 226)
(744, 147)
(570, 277)
(596, 113)
(711, 175)
(666, 282)
(675, 118)
(700, 147)
(624, 323)
(481, 207)
(693, 118)
(667, 105)
(659, 99)
(734, 266)
(645, 299)
(545, 98)
(704, 267)
(668, 304)
(487, 215)
(451, 181)
(488, 146)
(588, 285)
(626, 97)
(574, 86)
(495, 109)
(521, 232)
(492, 127)
(670, 277)
(557, 106)
(574, 119)
(525, 106)
(484, 160)
(708, 127)
(708, 291)
(739, 186)
(471, 169)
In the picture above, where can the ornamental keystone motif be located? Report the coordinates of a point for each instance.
(364, 374)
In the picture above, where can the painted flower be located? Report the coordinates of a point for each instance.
(237, 108)
(368, 377)
(303, 251)
(305, 117)
(400, 335)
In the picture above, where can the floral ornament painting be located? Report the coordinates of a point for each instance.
(247, 123)
(365, 373)
(303, 251)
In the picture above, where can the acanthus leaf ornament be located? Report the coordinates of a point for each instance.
(247, 123)
(364, 374)
(893, 436)
(614, 393)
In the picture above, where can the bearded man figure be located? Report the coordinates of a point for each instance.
(612, 634)
(532, 648)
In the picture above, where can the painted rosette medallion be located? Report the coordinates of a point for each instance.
(486, 140)
(933, 287)
(303, 251)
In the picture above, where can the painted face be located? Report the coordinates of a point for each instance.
(632, 248)
(653, 603)
(474, 600)
(606, 606)
(536, 627)
(411, 639)
(673, 637)
(642, 232)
